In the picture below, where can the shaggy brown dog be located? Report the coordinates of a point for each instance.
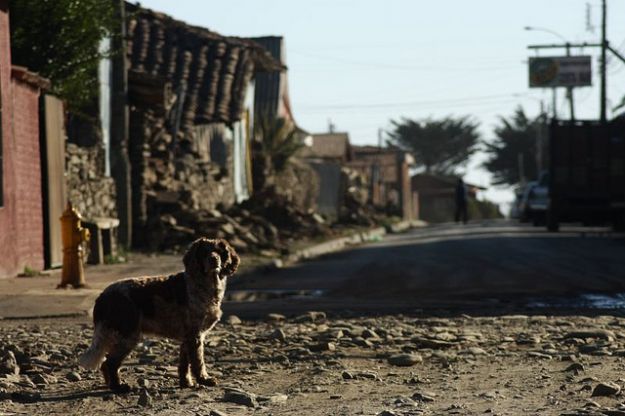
(182, 306)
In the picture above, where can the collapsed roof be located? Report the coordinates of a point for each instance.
(209, 70)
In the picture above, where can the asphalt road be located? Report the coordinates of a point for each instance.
(446, 266)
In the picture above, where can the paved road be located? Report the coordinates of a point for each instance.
(451, 265)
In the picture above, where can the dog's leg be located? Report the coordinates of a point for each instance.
(195, 349)
(184, 373)
(114, 359)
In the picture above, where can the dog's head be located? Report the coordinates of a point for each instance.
(207, 255)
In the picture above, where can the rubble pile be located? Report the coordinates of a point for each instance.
(268, 222)
(356, 208)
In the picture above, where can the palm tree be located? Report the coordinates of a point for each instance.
(276, 143)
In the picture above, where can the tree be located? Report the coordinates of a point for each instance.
(441, 146)
(60, 40)
(276, 143)
(515, 142)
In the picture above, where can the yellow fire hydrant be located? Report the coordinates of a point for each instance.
(73, 236)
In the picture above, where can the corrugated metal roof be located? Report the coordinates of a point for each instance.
(271, 96)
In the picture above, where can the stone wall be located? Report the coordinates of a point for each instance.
(175, 177)
(91, 193)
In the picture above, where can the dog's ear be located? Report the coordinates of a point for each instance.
(189, 260)
(229, 258)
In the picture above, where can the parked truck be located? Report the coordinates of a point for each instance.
(587, 173)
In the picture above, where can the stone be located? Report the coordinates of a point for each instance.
(233, 320)
(216, 413)
(278, 334)
(347, 375)
(323, 346)
(369, 333)
(278, 398)
(423, 342)
(593, 333)
(576, 367)
(73, 376)
(240, 397)
(404, 360)
(423, 397)
(145, 400)
(606, 389)
(8, 364)
(276, 317)
(311, 317)
(40, 378)
(386, 413)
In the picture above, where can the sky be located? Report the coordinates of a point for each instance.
(362, 63)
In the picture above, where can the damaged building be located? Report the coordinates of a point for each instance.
(191, 112)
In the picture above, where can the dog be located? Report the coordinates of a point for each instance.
(182, 307)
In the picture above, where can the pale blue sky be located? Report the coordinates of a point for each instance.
(361, 63)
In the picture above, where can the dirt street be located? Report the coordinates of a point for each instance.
(432, 322)
(309, 365)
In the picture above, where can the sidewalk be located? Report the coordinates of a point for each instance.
(38, 297)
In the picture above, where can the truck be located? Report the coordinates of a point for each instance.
(587, 173)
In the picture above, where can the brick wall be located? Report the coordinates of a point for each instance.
(21, 217)
(8, 260)
(27, 165)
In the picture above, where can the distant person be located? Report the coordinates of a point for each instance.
(461, 202)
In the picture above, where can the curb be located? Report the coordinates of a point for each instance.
(337, 244)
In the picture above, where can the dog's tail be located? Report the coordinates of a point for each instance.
(94, 356)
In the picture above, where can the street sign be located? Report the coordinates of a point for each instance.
(560, 71)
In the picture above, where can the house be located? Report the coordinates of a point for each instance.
(389, 178)
(328, 155)
(191, 113)
(31, 154)
(331, 147)
(435, 196)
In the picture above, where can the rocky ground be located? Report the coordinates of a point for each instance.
(310, 365)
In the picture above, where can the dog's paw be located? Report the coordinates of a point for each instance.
(207, 381)
(186, 383)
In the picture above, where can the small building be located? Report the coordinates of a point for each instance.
(435, 195)
(388, 171)
(328, 155)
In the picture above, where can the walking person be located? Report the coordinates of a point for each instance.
(461, 202)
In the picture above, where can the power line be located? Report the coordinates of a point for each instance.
(467, 100)
(378, 65)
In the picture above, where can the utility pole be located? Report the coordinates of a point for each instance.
(604, 46)
(539, 140)
(569, 90)
(120, 162)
